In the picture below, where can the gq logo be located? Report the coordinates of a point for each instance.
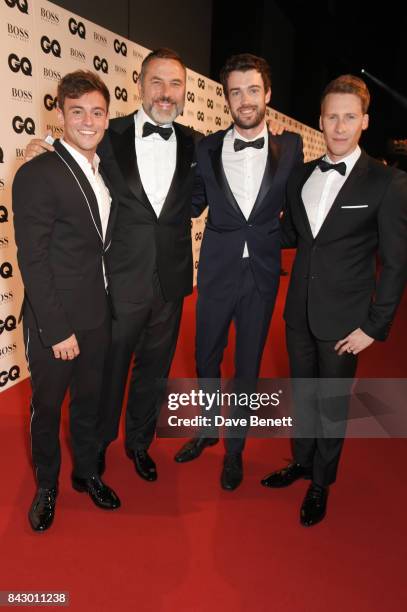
(6, 270)
(209, 103)
(200, 115)
(218, 91)
(22, 5)
(120, 47)
(23, 64)
(190, 96)
(49, 102)
(77, 28)
(1, 156)
(50, 46)
(218, 121)
(101, 64)
(226, 109)
(201, 83)
(3, 214)
(12, 374)
(21, 125)
(121, 94)
(8, 324)
(198, 236)
(135, 76)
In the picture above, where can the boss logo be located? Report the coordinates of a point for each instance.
(99, 38)
(3, 214)
(190, 96)
(23, 125)
(8, 324)
(55, 130)
(209, 103)
(218, 121)
(52, 75)
(12, 374)
(218, 91)
(121, 94)
(22, 5)
(49, 16)
(4, 242)
(21, 94)
(50, 46)
(198, 236)
(23, 64)
(120, 47)
(200, 115)
(101, 64)
(201, 83)
(77, 27)
(49, 102)
(1, 156)
(120, 70)
(79, 55)
(135, 76)
(6, 270)
(18, 32)
(120, 114)
(6, 297)
(19, 153)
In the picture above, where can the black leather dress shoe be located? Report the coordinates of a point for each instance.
(101, 495)
(232, 473)
(286, 476)
(193, 448)
(145, 466)
(42, 511)
(313, 507)
(101, 459)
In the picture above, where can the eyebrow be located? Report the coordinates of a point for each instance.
(77, 106)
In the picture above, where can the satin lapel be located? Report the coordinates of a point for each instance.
(78, 175)
(270, 170)
(185, 155)
(216, 159)
(124, 147)
(113, 208)
(344, 195)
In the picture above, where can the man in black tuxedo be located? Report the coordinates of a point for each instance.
(243, 173)
(149, 161)
(63, 223)
(342, 211)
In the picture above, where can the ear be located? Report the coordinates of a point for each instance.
(268, 95)
(140, 88)
(365, 121)
(321, 127)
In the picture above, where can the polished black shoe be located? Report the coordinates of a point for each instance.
(313, 507)
(42, 511)
(286, 476)
(101, 495)
(145, 466)
(193, 448)
(101, 459)
(232, 473)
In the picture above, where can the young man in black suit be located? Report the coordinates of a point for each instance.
(243, 173)
(343, 210)
(63, 222)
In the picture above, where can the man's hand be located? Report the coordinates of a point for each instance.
(356, 342)
(275, 128)
(67, 349)
(35, 147)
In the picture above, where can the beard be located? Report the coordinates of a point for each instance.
(252, 122)
(161, 116)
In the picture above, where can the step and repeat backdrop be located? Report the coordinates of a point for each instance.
(39, 43)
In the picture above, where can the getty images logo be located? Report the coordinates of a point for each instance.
(21, 125)
(50, 46)
(15, 64)
(22, 5)
(77, 27)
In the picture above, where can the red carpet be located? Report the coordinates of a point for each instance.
(182, 544)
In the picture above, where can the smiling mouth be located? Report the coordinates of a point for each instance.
(86, 133)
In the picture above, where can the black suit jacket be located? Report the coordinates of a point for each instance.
(60, 246)
(227, 229)
(143, 243)
(334, 287)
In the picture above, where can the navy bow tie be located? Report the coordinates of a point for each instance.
(325, 166)
(149, 128)
(239, 145)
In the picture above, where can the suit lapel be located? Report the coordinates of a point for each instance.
(216, 159)
(270, 170)
(113, 208)
(308, 170)
(88, 194)
(185, 154)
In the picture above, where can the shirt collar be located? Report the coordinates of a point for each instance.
(141, 117)
(264, 133)
(350, 160)
(83, 161)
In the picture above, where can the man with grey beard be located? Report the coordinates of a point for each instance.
(244, 171)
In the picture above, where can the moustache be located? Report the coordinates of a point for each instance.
(165, 99)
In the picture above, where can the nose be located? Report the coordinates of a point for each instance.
(340, 126)
(88, 118)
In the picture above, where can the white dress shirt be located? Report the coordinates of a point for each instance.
(156, 160)
(91, 171)
(244, 170)
(321, 189)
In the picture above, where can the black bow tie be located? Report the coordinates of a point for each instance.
(149, 128)
(325, 166)
(239, 145)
